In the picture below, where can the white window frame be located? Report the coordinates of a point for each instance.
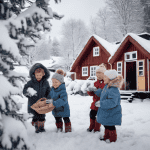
(130, 54)
(95, 50)
(85, 71)
(93, 70)
(119, 62)
(139, 67)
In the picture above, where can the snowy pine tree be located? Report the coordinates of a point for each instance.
(17, 25)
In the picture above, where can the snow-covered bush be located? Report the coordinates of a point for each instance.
(78, 86)
(16, 29)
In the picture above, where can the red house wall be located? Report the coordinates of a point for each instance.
(89, 60)
(128, 48)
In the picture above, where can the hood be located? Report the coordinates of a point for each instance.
(117, 82)
(36, 66)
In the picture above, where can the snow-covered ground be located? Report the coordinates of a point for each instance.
(134, 134)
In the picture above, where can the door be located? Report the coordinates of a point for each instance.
(131, 75)
(141, 75)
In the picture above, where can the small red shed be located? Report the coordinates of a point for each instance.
(132, 60)
(95, 52)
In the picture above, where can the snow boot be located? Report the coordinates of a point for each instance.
(113, 135)
(41, 126)
(92, 125)
(32, 123)
(106, 135)
(36, 124)
(68, 127)
(97, 126)
(59, 126)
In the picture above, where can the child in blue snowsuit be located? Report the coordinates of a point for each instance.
(59, 98)
(110, 111)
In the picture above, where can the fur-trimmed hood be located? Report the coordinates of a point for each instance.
(36, 66)
(117, 82)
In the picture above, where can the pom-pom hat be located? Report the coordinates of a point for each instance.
(59, 75)
(101, 68)
(111, 74)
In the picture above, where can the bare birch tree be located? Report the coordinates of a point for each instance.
(127, 14)
(74, 35)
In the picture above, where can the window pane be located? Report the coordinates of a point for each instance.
(119, 69)
(91, 68)
(140, 73)
(141, 63)
(134, 55)
(140, 68)
(127, 56)
(119, 64)
(119, 72)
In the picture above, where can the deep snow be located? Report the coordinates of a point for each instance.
(133, 134)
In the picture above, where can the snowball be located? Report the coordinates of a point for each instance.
(31, 91)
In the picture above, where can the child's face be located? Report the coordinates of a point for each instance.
(100, 75)
(106, 79)
(56, 83)
(38, 76)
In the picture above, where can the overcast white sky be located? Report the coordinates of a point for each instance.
(79, 9)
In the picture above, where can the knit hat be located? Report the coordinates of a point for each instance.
(59, 75)
(101, 68)
(111, 74)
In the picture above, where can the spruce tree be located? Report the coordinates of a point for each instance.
(19, 24)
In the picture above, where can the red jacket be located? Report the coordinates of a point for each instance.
(98, 84)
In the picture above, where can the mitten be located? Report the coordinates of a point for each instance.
(92, 89)
(97, 104)
(49, 101)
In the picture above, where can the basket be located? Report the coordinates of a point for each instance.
(41, 107)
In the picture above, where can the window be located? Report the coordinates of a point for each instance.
(93, 71)
(96, 51)
(84, 71)
(119, 67)
(131, 55)
(141, 68)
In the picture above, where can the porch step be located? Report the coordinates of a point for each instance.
(125, 94)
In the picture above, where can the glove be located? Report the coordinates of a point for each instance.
(49, 101)
(91, 89)
(28, 94)
(97, 104)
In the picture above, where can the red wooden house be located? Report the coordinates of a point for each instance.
(131, 60)
(95, 52)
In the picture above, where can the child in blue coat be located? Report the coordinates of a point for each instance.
(110, 111)
(59, 98)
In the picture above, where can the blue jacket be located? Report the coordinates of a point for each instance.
(109, 112)
(60, 101)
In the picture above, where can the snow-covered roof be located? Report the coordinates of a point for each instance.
(144, 33)
(143, 42)
(111, 48)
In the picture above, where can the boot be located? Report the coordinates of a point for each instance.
(92, 125)
(59, 126)
(41, 126)
(36, 124)
(106, 135)
(113, 135)
(32, 123)
(68, 127)
(97, 126)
